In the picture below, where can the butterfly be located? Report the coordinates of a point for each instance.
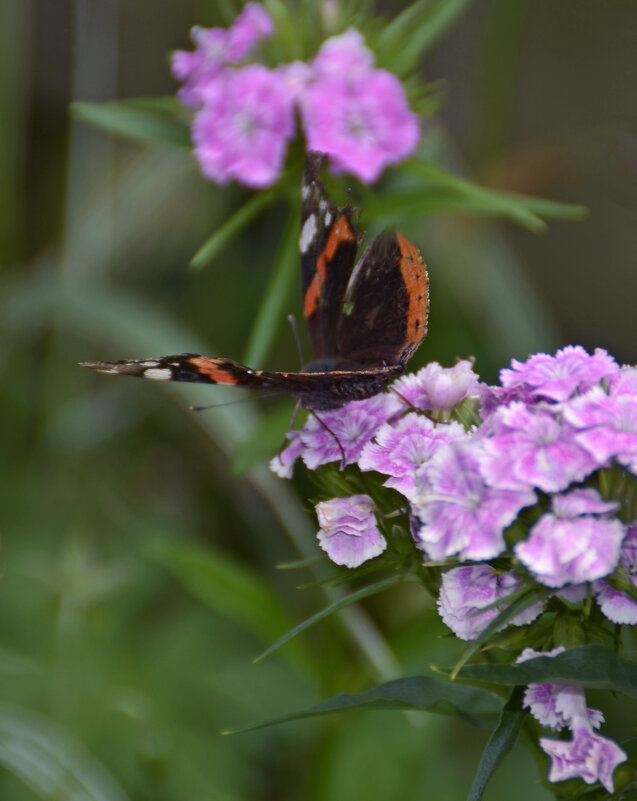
(365, 318)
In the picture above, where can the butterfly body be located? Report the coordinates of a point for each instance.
(365, 318)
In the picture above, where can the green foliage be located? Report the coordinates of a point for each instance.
(419, 693)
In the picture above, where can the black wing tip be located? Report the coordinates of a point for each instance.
(314, 161)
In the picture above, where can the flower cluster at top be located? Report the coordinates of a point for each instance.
(245, 113)
(534, 491)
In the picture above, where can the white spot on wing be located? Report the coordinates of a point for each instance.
(305, 191)
(149, 363)
(308, 232)
(161, 374)
(328, 218)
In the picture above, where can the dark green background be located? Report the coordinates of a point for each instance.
(138, 576)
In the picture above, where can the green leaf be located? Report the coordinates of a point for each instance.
(277, 293)
(49, 761)
(502, 740)
(417, 693)
(222, 237)
(223, 584)
(142, 120)
(519, 208)
(594, 666)
(528, 598)
(404, 41)
(365, 592)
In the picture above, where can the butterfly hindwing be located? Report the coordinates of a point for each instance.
(383, 317)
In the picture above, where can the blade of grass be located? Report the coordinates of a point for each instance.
(365, 592)
(218, 240)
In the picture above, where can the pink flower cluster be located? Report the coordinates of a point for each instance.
(245, 113)
(527, 484)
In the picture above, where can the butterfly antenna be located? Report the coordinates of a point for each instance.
(295, 331)
(327, 428)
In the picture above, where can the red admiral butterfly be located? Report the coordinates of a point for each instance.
(365, 318)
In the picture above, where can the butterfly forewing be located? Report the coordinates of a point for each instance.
(328, 243)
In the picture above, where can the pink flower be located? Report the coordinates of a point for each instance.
(242, 131)
(216, 48)
(349, 533)
(283, 463)
(618, 606)
(399, 450)
(558, 377)
(588, 755)
(438, 388)
(357, 114)
(530, 447)
(345, 55)
(253, 24)
(350, 429)
(465, 590)
(571, 545)
(608, 425)
(460, 513)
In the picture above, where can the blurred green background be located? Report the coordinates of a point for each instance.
(139, 540)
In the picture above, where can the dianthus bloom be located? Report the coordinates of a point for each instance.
(243, 128)
(577, 542)
(357, 114)
(438, 389)
(588, 755)
(349, 532)
(558, 377)
(216, 48)
(616, 604)
(531, 447)
(399, 449)
(465, 590)
(460, 513)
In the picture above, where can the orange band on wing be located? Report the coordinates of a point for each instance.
(210, 367)
(416, 280)
(341, 232)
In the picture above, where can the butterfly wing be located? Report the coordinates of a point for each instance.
(383, 316)
(189, 367)
(316, 390)
(328, 243)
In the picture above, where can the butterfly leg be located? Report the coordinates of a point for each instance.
(327, 428)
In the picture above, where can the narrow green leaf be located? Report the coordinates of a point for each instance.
(223, 584)
(49, 761)
(141, 120)
(502, 740)
(218, 240)
(409, 35)
(277, 293)
(518, 208)
(365, 592)
(594, 666)
(520, 604)
(417, 693)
